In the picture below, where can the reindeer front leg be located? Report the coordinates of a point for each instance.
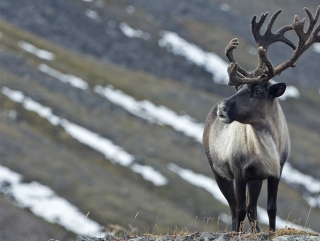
(273, 183)
(240, 188)
(254, 188)
(227, 189)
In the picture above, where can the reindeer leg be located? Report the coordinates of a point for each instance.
(273, 183)
(227, 190)
(254, 188)
(240, 186)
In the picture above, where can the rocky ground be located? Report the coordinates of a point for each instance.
(205, 236)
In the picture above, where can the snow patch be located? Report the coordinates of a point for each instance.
(130, 9)
(199, 180)
(65, 78)
(316, 47)
(291, 92)
(6, 175)
(40, 53)
(210, 61)
(12, 114)
(133, 33)
(150, 174)
(92, 14)
(292, 176)
(225, 7)
(281, 223)
(44, 203)
(225, 218)
(29, 104)
(112, 152)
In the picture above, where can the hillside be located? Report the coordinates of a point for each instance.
(97, 106)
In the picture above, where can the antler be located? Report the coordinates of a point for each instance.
(265, 70)
(306, 39)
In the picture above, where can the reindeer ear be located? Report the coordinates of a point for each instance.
(277, 90)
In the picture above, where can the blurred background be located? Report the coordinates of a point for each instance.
(102, 109)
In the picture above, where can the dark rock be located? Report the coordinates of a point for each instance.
(205, 236)
(165, 238)
(297, 238)
(109, 237)
(86, 238)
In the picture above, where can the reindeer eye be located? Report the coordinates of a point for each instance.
(257, 92)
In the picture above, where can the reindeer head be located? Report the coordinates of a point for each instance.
(255, 95)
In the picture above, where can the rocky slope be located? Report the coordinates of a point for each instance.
(88, 42)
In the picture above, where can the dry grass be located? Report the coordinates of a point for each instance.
(292, 231)
(121, 233)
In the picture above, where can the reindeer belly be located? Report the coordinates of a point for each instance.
(258, 170)
(256, 173)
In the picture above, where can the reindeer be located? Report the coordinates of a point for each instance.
(246, 137)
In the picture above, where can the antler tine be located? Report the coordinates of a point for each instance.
(268, 37)
(256, 26)
(229, 53)
(263, 55)
(298, 28)
(235, 78)
(312, 23)
(229, 49)
(271, 21)
(316, 37)
(279, 35)
(306, 39)
(311, 35)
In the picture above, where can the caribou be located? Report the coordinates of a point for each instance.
(246, 137)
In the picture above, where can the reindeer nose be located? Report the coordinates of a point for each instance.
(223, 106)
(222, 109)
(222, 112)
